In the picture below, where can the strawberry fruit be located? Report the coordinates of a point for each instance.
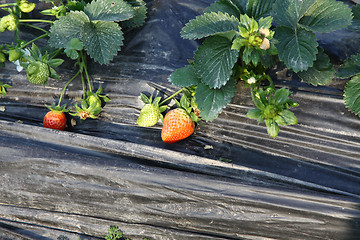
(177, 126)
(55, 118)
(151, 111)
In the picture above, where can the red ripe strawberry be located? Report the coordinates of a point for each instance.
(55, 118)
(177, 126)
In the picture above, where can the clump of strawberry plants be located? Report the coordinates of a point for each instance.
(244, 39)
(79, 30)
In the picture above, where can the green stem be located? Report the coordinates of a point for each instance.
(38, 28)
(270, 81)
(167, 99)
(66, 85)
(85, 69)
(7, 5)
(83, 85)
(35, 39)
(252, 93)
(55, 53)
(35, 20)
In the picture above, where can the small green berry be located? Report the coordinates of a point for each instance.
(14, 54)
(26, 7)
(38, 72)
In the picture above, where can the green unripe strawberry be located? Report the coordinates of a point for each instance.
(38, 72)
(26, 7)
(149, 115)
(94, 101)
(14, 54)
(9, 22)
(2, 57)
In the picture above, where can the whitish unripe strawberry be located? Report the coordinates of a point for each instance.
(149, 115)
(38, 72)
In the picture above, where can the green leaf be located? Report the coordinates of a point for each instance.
(138, 19)
(55, 62)
(76, 44)
(265, 23)
(350, 67)
(73, 47)
(356, 20)
(241, 4)
(281, 96)
(297, 49)
(352, 95)
(224, 6)
(109, 10)
(209, 24)
(71, 53)
(54, 74)
(102, 40)
(184, 77)
(326, 16)
(214, 61)
(286, 117)
(259, 8)
(272, 127)
(211, 101)
(255, 113)
(321, 73)
(67, 28)
(289, 12)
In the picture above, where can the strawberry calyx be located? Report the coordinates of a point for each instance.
(187, 102)
(91, 106)
(58, 108)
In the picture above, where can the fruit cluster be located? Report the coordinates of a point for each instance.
(178, 123)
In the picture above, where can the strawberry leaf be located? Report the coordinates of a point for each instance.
(350, 67)
(286, 117)
(326, 16)
(109, 10)
(241, 4)
(102, 40)
(272, 127)
(184, 77)
(321, 73)
(211, 101)
(214, 61)
(352, 95)
(209, 24)
(297, 48)
(67, 28)
(139, 17)
(225, 6)
(259, 8)
(289, 12)
(356, 20)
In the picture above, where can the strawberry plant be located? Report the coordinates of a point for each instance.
(77, 30)
(244, 39)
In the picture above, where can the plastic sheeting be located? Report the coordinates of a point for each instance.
(305, 184)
